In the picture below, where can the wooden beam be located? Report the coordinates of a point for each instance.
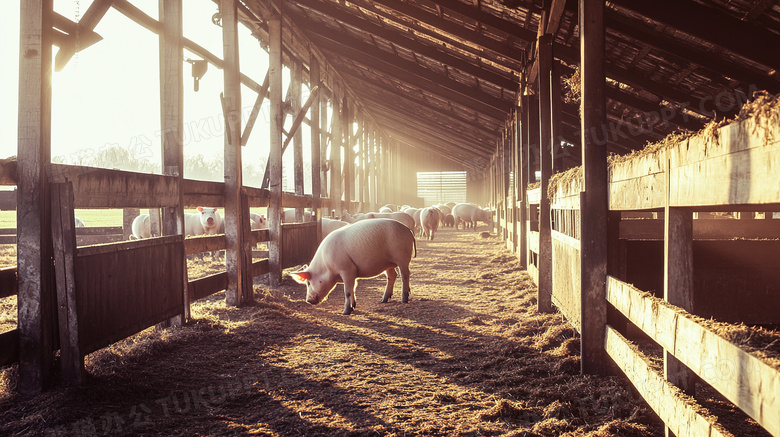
(275, 155)
(335, 151)
(712, 25)
(37, 297)
(86, 25)
(296, 82)
(739, 376)
(315, 138)
(410, 72)
(475, 68)
(250, 122)
(172, 122)
(449, 33)
(237, 258)
(678, 411)
(594, 198)
(544, 294)
(347, 119)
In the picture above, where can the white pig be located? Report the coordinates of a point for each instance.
(429, 220)
(330, 225)
(402, 217)
(258, 221)
(361, 250)
(470, 214)
(142, 227)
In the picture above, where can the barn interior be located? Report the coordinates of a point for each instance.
(625, 149)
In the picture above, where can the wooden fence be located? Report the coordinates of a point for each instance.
(666, 237)
(109, 291)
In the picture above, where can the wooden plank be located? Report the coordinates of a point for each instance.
(595, 202)
(534, 196)
(206, 286)
(743, 379)
(250, 123)
(124, 288)
(86, 25)
(204, 243)
(9, 347)
(703, 229)
(8, 200)
(103, 188)
(296, 83)
(275, 157)
(9, 285)
(315, 138)
(566, 277)
(64, 242)
(260, 268)
(37, 296)
(678, 411)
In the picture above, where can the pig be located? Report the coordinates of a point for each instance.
(142, 227)
(448, 221)
(385, 210)
(289, 216)
(257, 221)
(330, 225)
(398, 216)
(361, 250)
(429, 219)
(470, 214)
(392, 207)
(444, 209)
(206, 221)
(79, 222)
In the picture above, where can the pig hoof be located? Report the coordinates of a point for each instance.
(383, 300)
(347, 311)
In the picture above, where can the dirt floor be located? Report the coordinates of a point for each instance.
(468, 355)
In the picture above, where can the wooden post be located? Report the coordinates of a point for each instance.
(373, 157)
(678, 285)
(544, 300)
(275, 155)
(36, 297)
(295, 84)
(594, 204)
(531, 144)
(64, 242)
(172, 124)
(521, 180)
(155, 226)
(316, 160)
(324, 134)
(335, 153)
(128, 215)
(239, 279)
(556, 100)
(348, 155)
(362, 181)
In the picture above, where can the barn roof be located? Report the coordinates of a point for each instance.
(444, 75)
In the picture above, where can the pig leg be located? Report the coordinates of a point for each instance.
(391, 275)
(405, 282)
(349, 295)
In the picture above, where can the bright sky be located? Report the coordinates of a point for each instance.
(108, 94)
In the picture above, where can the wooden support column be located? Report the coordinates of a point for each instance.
(296, 76)
(544, 299)
(349, 158)
(594, 203)
(506, 155)
(275, 155)
(37, 296)
(324, 138)
(316, 160)
(237, 247)
(678, 286)
(172, 125)
(335, 153)
(128, 215)
(521, 181)
(530, 146)
(362, 181)
(556, 100)
(64, 242)
(381, 184)
(372, 171)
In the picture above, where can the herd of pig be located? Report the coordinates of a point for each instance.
(363, 245)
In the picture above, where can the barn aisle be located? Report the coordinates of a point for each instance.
(467, 356)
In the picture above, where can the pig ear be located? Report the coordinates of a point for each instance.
(262, 216)
(200, 209)
(301, 277)
(215, 209)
